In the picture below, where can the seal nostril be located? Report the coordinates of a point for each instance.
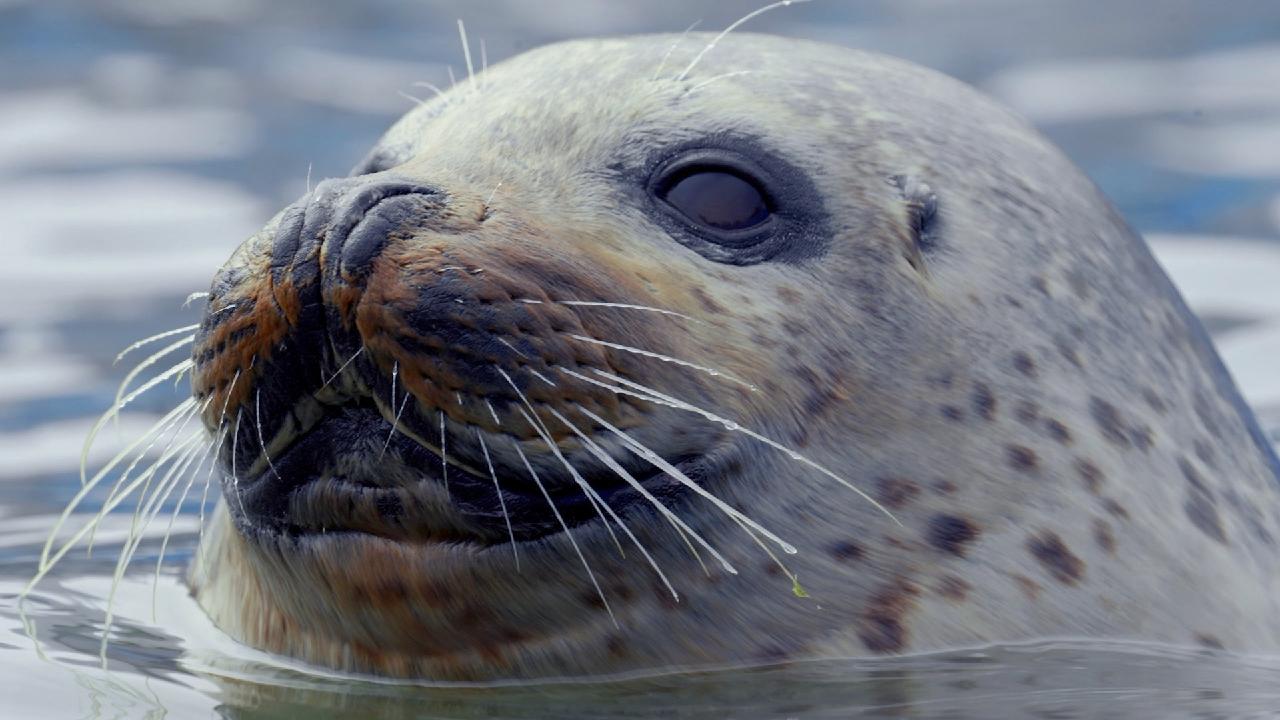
(359, 233)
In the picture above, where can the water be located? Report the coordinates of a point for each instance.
(140, 142)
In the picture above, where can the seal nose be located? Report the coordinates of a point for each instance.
(366, 211)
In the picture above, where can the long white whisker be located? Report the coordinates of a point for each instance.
(148, 362)
(664, 358)
(627, 306)
(710, 80)
(501, 502)
(444, 457)
(394, 425)
(88, 485)
(114, 410)
(235, 479)
(675, 520)
(667, 56)
(153, 338)
(164, 544)
(711, 45)
(545, 434)
(466, 51)
(257, 420)
(671, 470)
(657, 397)
(568, 533)
(193, 297)
(344, 365)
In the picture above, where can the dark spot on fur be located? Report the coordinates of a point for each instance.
(708, 303)
(789, 295)
(946, 487)
(616, 646)
(1068, 352)
(1058, 431)
(951, 533)
(1115, 508)
(1027, 412)
(953, 588)
(1040, 283)
(1154, 401)
(1209, 641)
(882, 625)
(1205, 452)
(1029, 587)
(1201, 505)
(984, 403)
(1108, 419)
(896, 492)
(1024, 363)
(1105, 538)
(951, 412)
(1056, 558)
(847, 551)
(1022, 458)
(1091, 475)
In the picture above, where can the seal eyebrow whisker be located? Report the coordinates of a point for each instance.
(664, 358)
(432, 87)
(158, 336)
(257, 418)
(503, 503)
(681, 527)
(657, 460)
(733, 26)
(667, 55)
(49, 558)
(466, 52)
(114, 411)
(344, 365)
(567, 532)
(660, 398)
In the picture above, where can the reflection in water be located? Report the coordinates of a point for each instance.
(143, 141)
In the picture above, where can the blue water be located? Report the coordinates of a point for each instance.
(140, 142)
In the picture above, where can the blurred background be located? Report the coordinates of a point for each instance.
(141, 141)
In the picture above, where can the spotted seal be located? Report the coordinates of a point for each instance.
(666, 352)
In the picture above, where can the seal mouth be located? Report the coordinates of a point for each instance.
(354, 471)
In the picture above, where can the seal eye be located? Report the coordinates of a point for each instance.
(717, 198)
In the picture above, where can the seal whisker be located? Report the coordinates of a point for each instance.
(133, 540)
(433, 88)
(675, 473)
(214, 443)
(466, 53)
(733, 26)
(667, 55)
(545, 434)
(501, 502)
(658, 397)
(257, 419)
(493, 413)
(623, 306)
(158, 336)
(119, 405)
(680, 525)
(567, 532)
(49, 558)
(664, 358)
(394, 424)
(173, 517)
(541, 377)
(156, 436)
(342, 367)
(199, 294)
(710, 80)
(148, 362)
(600, 502)
(514, 349)
(444, 457)
(235, 479)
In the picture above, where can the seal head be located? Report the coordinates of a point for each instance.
(663, 352)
